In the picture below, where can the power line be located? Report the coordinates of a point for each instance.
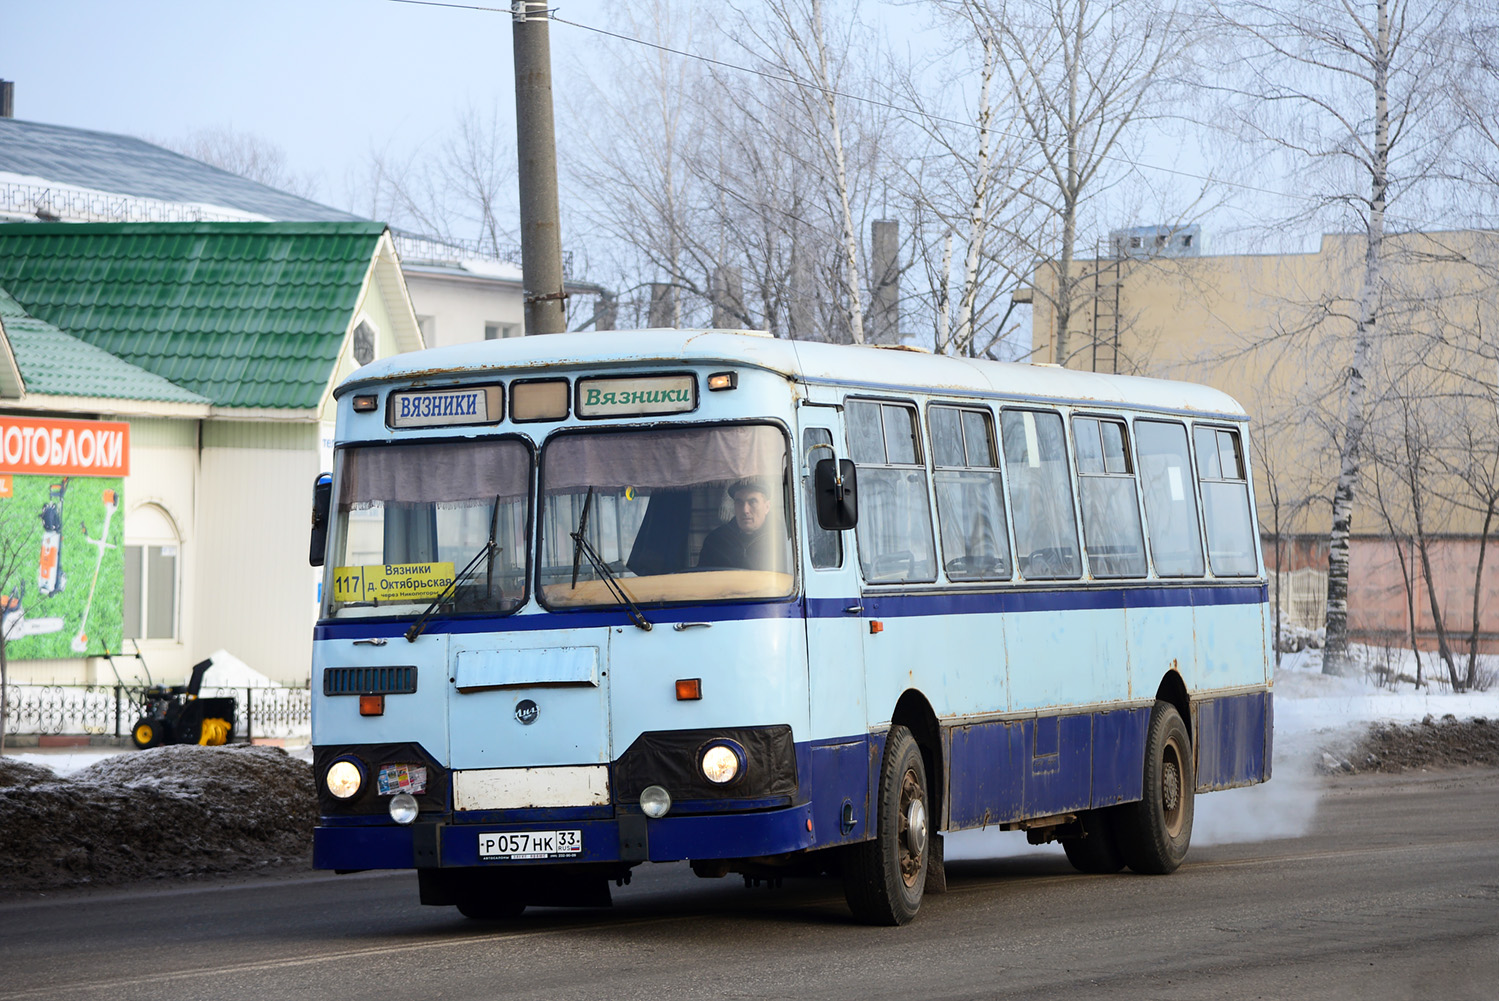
(886, 105)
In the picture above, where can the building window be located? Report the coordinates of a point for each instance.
(500, 331)
(151, 575)
(364, 343)
(151, 592)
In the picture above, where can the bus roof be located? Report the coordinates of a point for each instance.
(812, 362)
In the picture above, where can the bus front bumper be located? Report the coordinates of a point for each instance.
(628, 838)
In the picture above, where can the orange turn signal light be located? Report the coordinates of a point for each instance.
(876, 626)
(689, 689)
(372, 705)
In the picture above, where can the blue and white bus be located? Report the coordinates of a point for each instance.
(775, 608)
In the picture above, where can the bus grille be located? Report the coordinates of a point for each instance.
(369, 680)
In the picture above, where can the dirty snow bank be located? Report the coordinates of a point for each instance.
(168, 812)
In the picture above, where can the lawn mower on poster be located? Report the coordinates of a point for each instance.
(176, 715)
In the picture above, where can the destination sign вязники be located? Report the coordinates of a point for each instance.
(419, 408)
(652, 394)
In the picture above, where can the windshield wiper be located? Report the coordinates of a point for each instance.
(610, 580)
(578, 535)
(489, 549)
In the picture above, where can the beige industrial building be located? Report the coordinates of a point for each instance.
(1276, 331)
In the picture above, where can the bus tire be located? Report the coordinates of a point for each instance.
(490, 908)
(1096, 849)
(1154, 832)
(884, 878)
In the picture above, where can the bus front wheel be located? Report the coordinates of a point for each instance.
(478, 907)
(1095, 849)
(1154, 833)
(883, 879)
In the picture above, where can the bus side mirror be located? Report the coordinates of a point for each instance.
(835, 484)
(322, 496)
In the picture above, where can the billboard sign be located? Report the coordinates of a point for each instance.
(62, 528)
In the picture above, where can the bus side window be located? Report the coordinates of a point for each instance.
(826, 548)
(1225, 501)
(1170, 502)
(1106, 491)
(1040, 494)
(895, 518)
(970, 497)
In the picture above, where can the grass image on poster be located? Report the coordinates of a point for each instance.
(62, 565)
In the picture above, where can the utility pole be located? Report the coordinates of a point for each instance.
(536, 152)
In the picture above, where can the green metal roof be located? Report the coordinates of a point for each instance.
(246, 314)
(56, 364)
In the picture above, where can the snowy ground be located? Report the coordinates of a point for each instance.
(1320, 722)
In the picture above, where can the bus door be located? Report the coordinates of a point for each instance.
(835, 639)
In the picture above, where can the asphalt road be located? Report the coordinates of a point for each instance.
(1393, 892)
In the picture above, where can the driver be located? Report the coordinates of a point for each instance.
(748, 540)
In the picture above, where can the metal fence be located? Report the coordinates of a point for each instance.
(415, 247)
(111, 710)
(76, 204)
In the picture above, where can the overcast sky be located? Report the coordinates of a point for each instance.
(323, 79)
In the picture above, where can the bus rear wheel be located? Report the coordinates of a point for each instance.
(1155, 832)
(884, 878)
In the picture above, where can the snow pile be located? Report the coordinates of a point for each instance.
(1445, 743)
(228, 671)
(168, 812)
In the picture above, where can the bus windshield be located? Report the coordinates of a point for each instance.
(679, 514)
(411, 518)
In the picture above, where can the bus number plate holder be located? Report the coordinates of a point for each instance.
(530, 844)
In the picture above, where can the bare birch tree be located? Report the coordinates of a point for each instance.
(630, 138)
(970, 185)
(1347, 94)
(1084, 74)
(795, 40)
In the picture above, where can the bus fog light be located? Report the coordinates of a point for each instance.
(403, 808)
(720, 764)
(654, 802)
(344, 779)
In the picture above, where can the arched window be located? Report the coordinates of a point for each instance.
(151, 551)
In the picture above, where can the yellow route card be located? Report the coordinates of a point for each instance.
(382, 583)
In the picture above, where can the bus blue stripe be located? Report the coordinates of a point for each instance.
(875, 605)
(1077, 599)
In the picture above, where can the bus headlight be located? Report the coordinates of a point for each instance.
(722, 762)
(403, 808)
(654, 802)
(344, 778)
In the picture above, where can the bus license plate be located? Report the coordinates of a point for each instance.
(531, 844)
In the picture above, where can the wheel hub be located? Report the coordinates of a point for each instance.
(916, 827)
(1170, 787)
